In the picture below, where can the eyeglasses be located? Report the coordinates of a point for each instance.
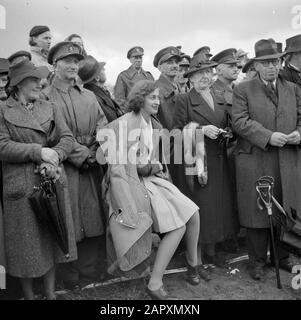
(267, 63)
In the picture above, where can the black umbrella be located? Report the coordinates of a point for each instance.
(48, 204)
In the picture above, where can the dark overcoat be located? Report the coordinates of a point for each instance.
(30, 250)
(110, 108)
(255, 117)
(168, 92)
(291, 74)
(215, 199)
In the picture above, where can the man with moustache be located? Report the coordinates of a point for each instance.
(167, 61)
(40, 42)
(84, 117)
(266, 116)
(127, 78)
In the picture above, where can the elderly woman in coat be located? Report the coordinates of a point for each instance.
(158, 201)
(33, 139)
(214, 198)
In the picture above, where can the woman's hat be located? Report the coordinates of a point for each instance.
(197, 64)
(26, 69)
(89, 68)
(247, 66)
(266, 49)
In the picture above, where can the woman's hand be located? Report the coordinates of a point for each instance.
(50, 156)
(50, 171)
(211, 131)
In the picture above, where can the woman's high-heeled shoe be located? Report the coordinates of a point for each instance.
(204, 273)
(160, 294)
(193, 276)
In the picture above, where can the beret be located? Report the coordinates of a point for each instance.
(19, 54)
(36, 30)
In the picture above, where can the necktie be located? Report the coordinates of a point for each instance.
(272, 92)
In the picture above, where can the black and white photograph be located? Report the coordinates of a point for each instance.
(150, 150)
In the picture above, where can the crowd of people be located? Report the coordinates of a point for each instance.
(54, 109)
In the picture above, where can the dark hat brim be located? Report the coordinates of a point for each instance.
(39, 73)
(100, 65)
(168, 57)
(247, 66)
(76, 55)
(196, 69)
(270, 56)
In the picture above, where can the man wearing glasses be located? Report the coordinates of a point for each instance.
(266, 115)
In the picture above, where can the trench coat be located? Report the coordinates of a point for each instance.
(217, 218)
(128, 249)
(168, 92)
(83, 116)
(30, 251)
(125, 82)
(110, 108)
(255, 117)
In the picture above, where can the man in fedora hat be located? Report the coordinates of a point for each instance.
(84, 117)
(292, 68)
(40, 42)
(266, 116)
(127, 78)
(167, 61)
(93, 76)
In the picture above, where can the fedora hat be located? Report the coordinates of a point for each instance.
(89, 68)
(266, 49)
(293, 44)
(198, 63)
(26, 69)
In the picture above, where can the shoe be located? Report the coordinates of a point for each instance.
(160, 294)
(72, 285)
(215, 260)
(256, 272)
(204, 272)
(193, 276)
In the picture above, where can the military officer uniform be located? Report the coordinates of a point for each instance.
(127, 78)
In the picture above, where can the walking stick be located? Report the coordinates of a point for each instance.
(264, 188)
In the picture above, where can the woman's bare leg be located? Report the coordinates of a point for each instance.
(166, 250)
(27, 288)
(49, 284)
(191, 238)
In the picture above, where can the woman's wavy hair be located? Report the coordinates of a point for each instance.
(136, 98)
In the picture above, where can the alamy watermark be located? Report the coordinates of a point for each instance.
(296, 281)
(296, 21)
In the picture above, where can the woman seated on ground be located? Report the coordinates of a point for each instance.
(172, 213)
(33, 139)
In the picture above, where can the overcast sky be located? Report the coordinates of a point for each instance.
(110, 27)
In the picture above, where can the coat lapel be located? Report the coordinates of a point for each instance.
(282, 97)
(19, 117)
(201, 107)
